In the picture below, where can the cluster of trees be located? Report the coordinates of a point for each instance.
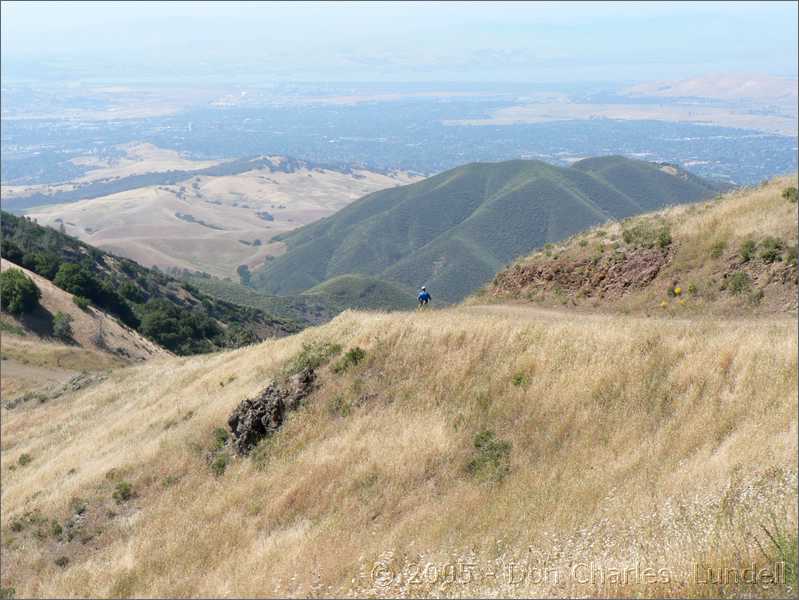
(171, 313)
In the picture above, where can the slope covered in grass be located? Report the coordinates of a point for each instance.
(733, 254)
(360, 291)
(461, 437)
(453, 231)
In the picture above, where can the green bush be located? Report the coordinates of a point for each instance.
(221, 436)
(492, 457)
(24, 459)
(771, 250)
(81, 302)
(520, 380)
(747, 251)
(739, 282)
(718, 248)
(122, 492)
(789, 194)
(312, 356)
(61, 326)
(647, 234)
(219, 464)
(8, 593)
(664, 237)
(352, 357)
(18, 293)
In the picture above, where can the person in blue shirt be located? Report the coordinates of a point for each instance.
(424, 297)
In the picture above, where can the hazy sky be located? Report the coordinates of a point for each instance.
(339, 41)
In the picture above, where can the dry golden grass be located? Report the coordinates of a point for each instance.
(647, 443)
(706, 243)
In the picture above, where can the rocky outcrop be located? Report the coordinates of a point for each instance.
(609, 275)
(260, 417)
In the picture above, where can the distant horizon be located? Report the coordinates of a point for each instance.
(343, 42)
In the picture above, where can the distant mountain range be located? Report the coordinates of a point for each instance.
(454, 231)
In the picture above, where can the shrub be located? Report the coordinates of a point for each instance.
(81, 302)
(339, 406)
(55, 529)
(789, 194)
(312, 356)
(718, 248)
(747, 252)
(8, 593)
(692, 289)
(520, 380)
(739, 282)
(771, 250)
(352, 357)
(221, 437)
(122, 492)
(647, 234)
(219, 464)
(492, 459)
(583, 243)
(18, 292)
(664, 238)
(62, 561)
(24, 459)
(61, 326)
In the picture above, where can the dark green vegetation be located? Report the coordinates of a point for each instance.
(361, 291)
(172, 313)
(19, 295)
(318, 304)
(454, 231)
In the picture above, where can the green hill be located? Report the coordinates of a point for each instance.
(172, 313)
(454, 231)
(361, 291)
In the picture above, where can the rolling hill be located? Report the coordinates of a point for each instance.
(453, 231)
(735, 254)
(167, 311)
(158, 209)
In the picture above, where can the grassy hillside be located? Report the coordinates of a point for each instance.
(453, 231)
(300, 311)
(165, 310)
(359, 291)
(462, 437)
(733, 254)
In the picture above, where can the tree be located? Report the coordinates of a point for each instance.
(244, 274)
(76, 280)
(61, 326)
(18, 293)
